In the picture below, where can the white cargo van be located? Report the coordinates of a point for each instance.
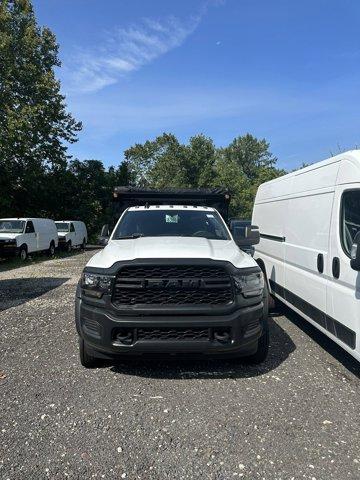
(309, 226)
(72, 233)
(21, 236)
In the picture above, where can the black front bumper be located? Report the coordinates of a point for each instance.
(99, 329)
(100, 323)
(7, 250)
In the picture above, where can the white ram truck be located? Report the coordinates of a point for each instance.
(172, 279)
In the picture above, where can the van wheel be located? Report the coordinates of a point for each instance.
(87, 360)
(51, 250)
(23, 253)
(83, 245)
(263, 343)
(68, 247)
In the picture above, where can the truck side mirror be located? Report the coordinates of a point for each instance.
(355, 253)
(245, 236)
(105, 231)
(104, 235)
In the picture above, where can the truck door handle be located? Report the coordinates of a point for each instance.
(320, 263)
(336, 267)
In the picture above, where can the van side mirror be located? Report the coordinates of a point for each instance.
(355, 253)
(245, 236)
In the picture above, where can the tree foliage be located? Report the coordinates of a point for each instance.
(35, 127)
(241, 166)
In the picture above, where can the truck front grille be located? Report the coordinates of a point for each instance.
(172, 285)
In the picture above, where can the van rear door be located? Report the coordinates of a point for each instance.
(343, 293)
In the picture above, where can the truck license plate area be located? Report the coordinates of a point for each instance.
(129, 336)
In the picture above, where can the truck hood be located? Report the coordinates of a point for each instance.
(9, 236)
(171, 247)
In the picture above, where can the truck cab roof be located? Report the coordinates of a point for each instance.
(171, 207)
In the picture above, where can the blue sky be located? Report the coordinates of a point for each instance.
(284, 70)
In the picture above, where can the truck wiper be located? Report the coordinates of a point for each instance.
(134, 235)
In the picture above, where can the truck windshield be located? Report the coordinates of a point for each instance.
(62, 226)
(12, 226)
(172, 223)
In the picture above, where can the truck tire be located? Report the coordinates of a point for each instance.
(263, 343)
(68, 247)
(23, 253)
(51, 251)
(83, 245)
(87, 360)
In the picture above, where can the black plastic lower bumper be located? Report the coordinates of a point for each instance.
(107, 336)
(8, 250)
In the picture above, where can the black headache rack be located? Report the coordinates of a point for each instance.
(125, 197)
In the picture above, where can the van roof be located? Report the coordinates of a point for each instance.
(355, 154)
(304, 180)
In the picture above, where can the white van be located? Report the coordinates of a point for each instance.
(21, 236)
(72, 233)
(309, 227)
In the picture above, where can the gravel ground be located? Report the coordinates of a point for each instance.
(297, 416)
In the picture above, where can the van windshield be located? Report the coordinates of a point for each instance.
(62, 226)
(172, 223)
(12, 226)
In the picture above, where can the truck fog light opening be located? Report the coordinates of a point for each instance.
(125, 336)
(222, 335)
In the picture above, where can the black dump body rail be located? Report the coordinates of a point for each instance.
(125, 197)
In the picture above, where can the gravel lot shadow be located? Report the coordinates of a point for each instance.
(16, 291)
(184, 367)
(323, 341)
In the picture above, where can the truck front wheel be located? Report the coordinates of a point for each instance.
(263, 346)
(263, 343)
(87, 360)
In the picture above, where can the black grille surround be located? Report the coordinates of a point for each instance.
(172, 285)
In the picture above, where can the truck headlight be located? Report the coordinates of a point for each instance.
(250, 285)
(95, 285)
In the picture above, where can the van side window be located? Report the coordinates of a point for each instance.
(350, 218)
(72, 228)
(29, 227)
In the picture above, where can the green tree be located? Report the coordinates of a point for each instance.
(34, 124)
(201, 155)
(251, 154)
(165, 162)
(241, 166)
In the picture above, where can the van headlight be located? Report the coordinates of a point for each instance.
(94, 285)
(250, 285)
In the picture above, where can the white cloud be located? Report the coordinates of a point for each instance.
(126, 50)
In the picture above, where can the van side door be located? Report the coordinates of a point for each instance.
(31, 237)
(78, 233)
(343, 292)
(72, 234)
(307, 230)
